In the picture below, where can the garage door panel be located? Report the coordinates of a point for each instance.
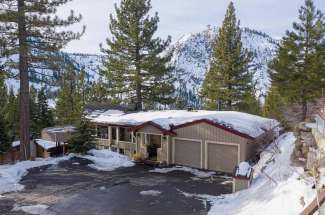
(222, 157)
(188, 153)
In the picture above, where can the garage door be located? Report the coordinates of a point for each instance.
(187, 152)
(222, 157)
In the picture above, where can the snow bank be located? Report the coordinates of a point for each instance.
(198, 173)
(244, 169)
(34, 209)
(150, 193)
(245, 123)
(106, 160)
(10, 175)
(282, 196)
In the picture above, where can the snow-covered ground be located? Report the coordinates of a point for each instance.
(283, 195)
(10, 175)
(198, 173)
(150, 193)
(34, 209)
(106, 160)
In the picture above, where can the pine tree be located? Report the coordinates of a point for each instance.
(4, 138)
(34, 127)
(228, 81)
(98, 92)
(5, 143)
(83, 140)
(32, 30)
(69, 101)
(3, 94)
(12, 115)
(136, 64)
(274, 106)
(44, 113)
(298, 68)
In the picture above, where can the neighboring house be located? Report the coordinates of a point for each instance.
(53, 142)
(12, 155)
(214, 140)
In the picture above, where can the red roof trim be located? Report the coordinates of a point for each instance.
(215, 125)
(164, 131)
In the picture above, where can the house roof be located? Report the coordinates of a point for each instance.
(236, 122)
(53, 130)
(46, 144)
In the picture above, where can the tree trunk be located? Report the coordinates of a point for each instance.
(139, 106)
(24, 85)
(139, 95)
(304, 110)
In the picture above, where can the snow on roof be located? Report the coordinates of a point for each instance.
(244, 169)
(68, 128)
(45, 144)
(109, 112)
(15, 143)
(244, 123)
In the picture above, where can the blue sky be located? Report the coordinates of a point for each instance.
(178, 17)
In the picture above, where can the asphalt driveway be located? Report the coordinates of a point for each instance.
(73, 188)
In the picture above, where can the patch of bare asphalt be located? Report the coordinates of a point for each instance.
(79, 190)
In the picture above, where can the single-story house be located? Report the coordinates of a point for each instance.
(53, 142)
(213, 140)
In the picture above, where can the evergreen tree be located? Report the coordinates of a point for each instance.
(4, 138)
(12, 115)
(3, 94)
(229, 81)
(5, 143)
(69, 101)
(32, 30)
(34, 128)
(136, 63)
(298, 68)
(274, 106)
(98, 92)
(44, 113)
(83, 140)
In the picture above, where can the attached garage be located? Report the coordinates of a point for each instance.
(187, 152)
(222, 156)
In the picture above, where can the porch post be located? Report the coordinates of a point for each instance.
(109, 136)
(118, 138)
(167, 148)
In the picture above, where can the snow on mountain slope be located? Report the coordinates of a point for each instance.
(88, 62)
(191, 54)
(191, 60)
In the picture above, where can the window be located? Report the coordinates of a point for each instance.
(114, 133)
(102, 132)
(125, 134)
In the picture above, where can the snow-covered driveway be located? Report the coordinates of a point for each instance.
(76, 186)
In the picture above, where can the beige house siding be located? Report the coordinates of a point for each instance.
(240, 184)
(149, 129)
(59, 137)
(206, 132)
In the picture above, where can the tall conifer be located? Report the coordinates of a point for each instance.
(69, 100)
(228, 81)
(136, 63)
(32, 30)
(298, 68)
